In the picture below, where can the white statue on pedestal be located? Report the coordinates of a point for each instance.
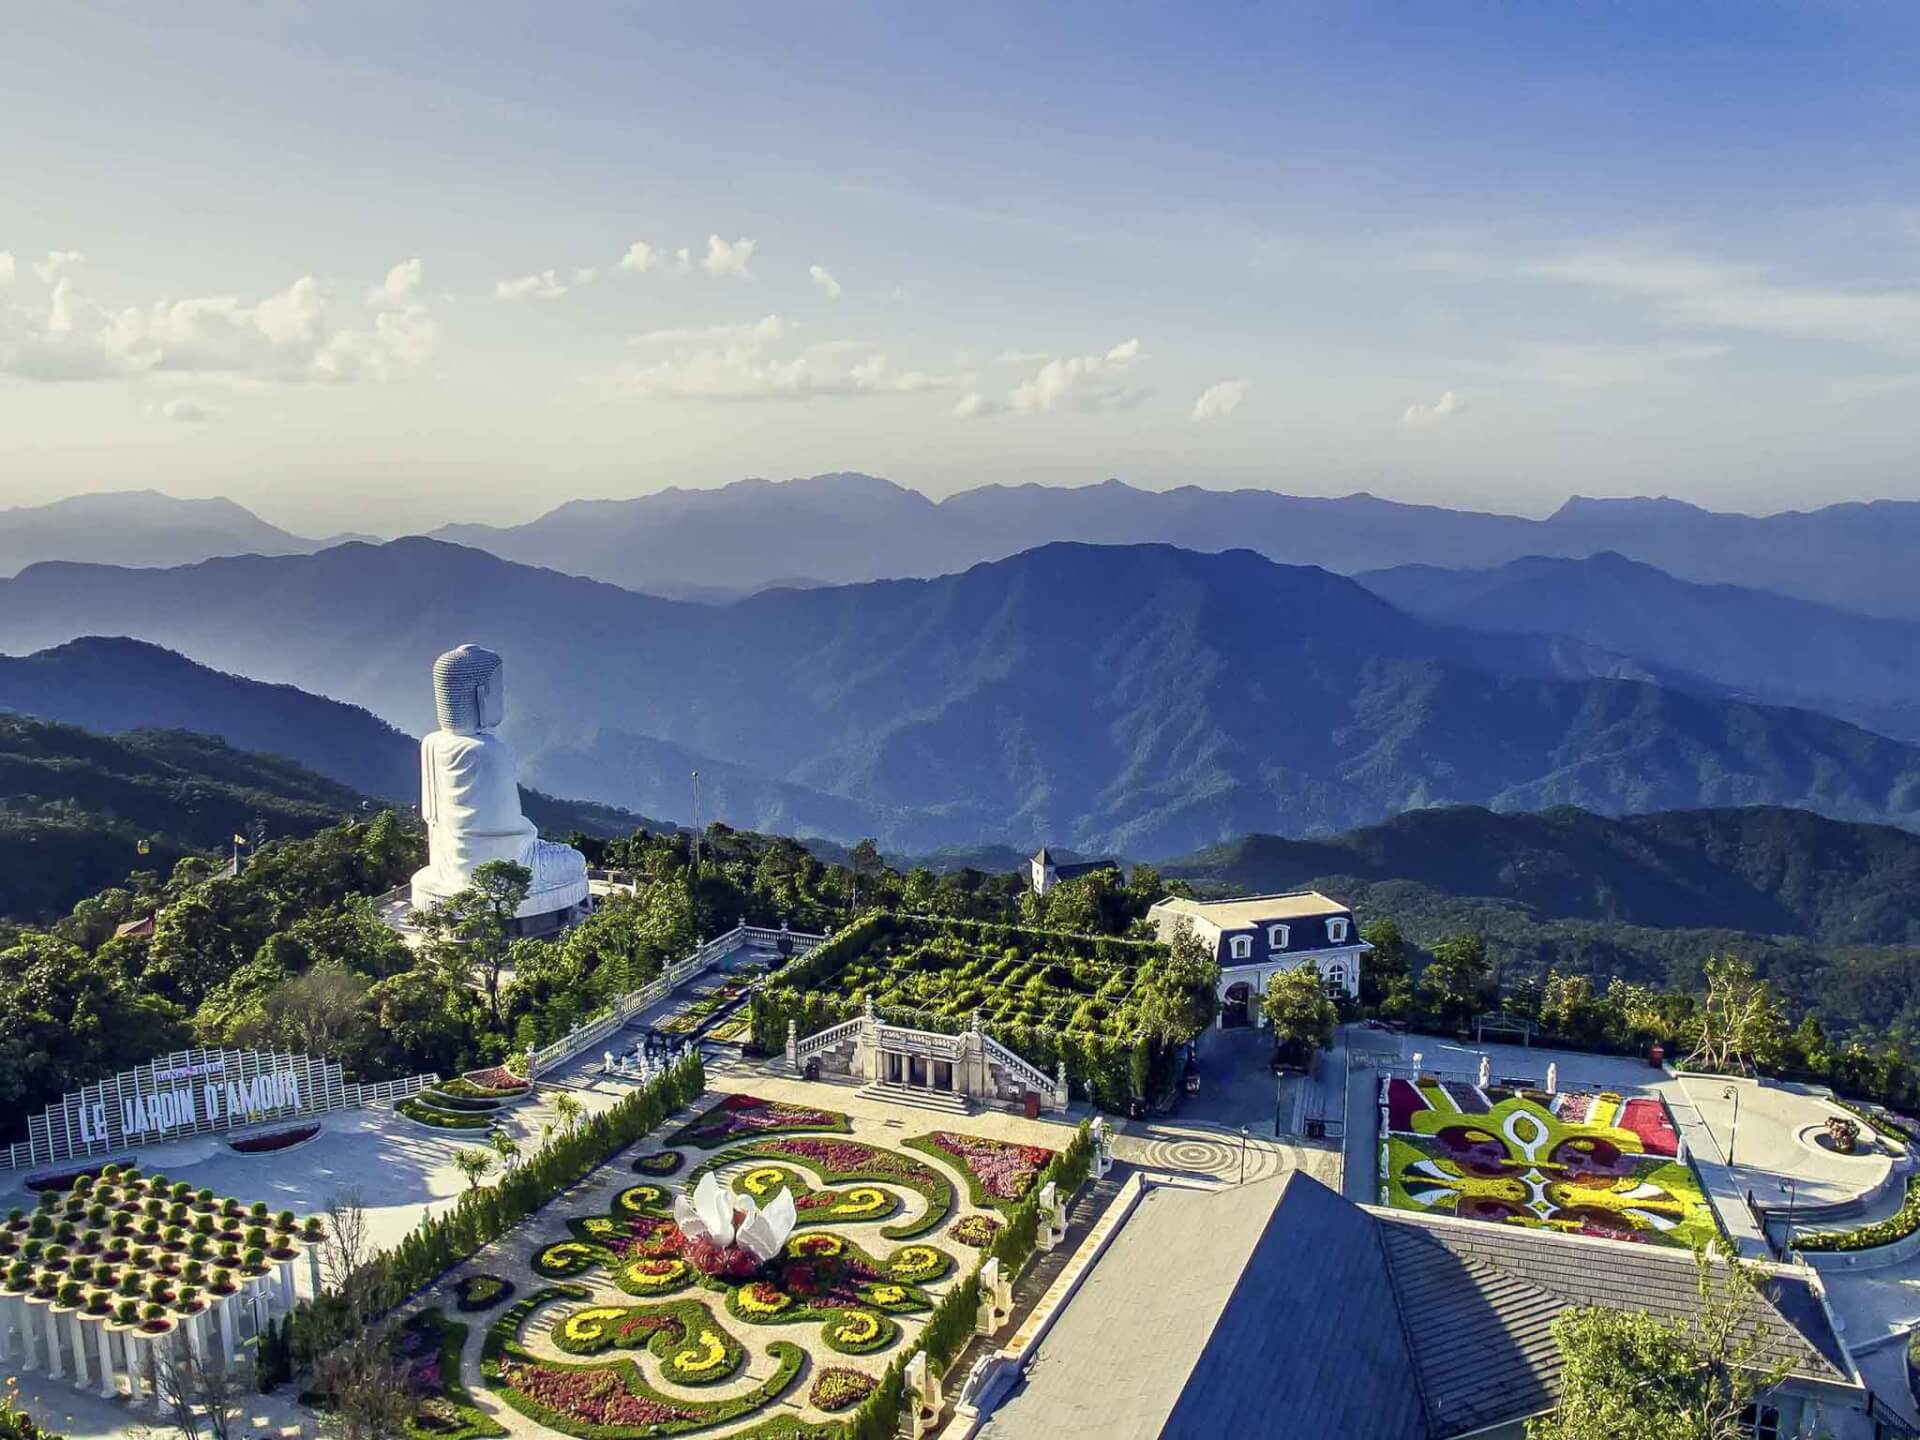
(470, 794)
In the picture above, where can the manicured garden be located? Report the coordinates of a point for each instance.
(1588, 1164)
(1050, 997)
(644, 1328)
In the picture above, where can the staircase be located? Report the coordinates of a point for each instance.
(915, 1098)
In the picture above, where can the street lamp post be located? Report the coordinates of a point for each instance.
(1732, 1092)
(1243, 1154)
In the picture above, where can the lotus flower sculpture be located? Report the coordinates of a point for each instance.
(710, 1214)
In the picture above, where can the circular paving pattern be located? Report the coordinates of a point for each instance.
(1217, 1157)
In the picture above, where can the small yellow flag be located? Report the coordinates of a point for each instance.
(240, 840)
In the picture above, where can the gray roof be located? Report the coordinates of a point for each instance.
(1281, 1309)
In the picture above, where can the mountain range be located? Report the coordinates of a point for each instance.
(1139, 699)
(717, 544)
(115, 686)
(1768, 647)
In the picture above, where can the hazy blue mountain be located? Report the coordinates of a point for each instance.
(112, 686)
(1770, 647)
(1143, 700)
(1757, 868)
(833, 529)
(138, 527)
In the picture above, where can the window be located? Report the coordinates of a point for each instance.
(1241, 947)
(1760, 1421)
(1337, 981)
(1337, 930)
(1276, 937)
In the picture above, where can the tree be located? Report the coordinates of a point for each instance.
(569, 1110)
(198, 1393)
(1301, 1013)
(1176, 997)
(1627, 1375)
(474, 1165)
(506, 1147)
(1455, 980)
(1741, 1025)
(473, 930)
(1391, 961)
(316, 1011)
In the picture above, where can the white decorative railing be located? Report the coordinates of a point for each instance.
(625, 1007)
(802, 1050)
(930, 1043)
(1031, 1075)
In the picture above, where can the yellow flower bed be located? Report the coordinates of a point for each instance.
(585, 1326)
(858, 1328)
(645, 1277)
(710, 1357)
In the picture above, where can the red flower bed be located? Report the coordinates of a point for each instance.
(278, 1140)
(1403, 1099)
(839, 1387)
(1649, 1120)
(749, 1115)
(1006, 1171)
(593, 1397)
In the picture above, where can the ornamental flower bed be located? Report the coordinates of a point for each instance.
(816, 1207)
(737, 1117)
(839, 1387)
(660, 1162)
(496, 1080)
(428, 1347)
(609, 1402)
(275, 1140)
(838, 1161)
(1897, 1226)
(975, 1230)
(999, 1172)
(1524, 1163)
(482, 1292)
(692, 1348)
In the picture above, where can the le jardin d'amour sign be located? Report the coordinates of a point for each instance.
(190, 1092)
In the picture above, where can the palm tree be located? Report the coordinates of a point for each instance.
(506, 1147)
(569, 1110)
(473, 1164)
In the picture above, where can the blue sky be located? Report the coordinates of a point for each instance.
(360, 266)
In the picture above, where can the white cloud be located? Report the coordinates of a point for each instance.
(1698, 291)
(293, 335)
(724, 259)
(57, 263)
(972, 405)
(584, 275)
(682, 260)
(1077, 382)
(181, 412)
(1417, 416)
(6, 267)
(545, 285)
(641, 257)
(1217, 402)
(740, 363)
(757, 332)
(824, 282)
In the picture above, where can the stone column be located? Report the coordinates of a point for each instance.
(313, 1271)
(108, 1389)
(150, 1364)
(80, 1376)
(8, 1305)
(29, 1357)
(52, 1331)
(130, 1352)
(196, 1341)
(286, 1283)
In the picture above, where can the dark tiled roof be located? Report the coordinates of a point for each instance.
(1487, 1295)
(1310, 1343)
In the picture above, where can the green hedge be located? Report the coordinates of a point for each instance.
(1870, 1237)
(1104, 1061)
(441, 1119)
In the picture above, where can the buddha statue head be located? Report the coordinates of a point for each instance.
(469, 689)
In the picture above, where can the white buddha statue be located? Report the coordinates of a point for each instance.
(470, 794)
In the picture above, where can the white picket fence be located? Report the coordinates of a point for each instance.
(625, 1007)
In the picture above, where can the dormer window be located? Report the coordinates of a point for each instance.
(1241, 947)
(1276, 937)
(1337, 930)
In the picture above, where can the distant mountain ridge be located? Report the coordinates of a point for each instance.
(1143, 699)
(842, 528)
(115, 686)
(1771, 647)
(138, 527)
